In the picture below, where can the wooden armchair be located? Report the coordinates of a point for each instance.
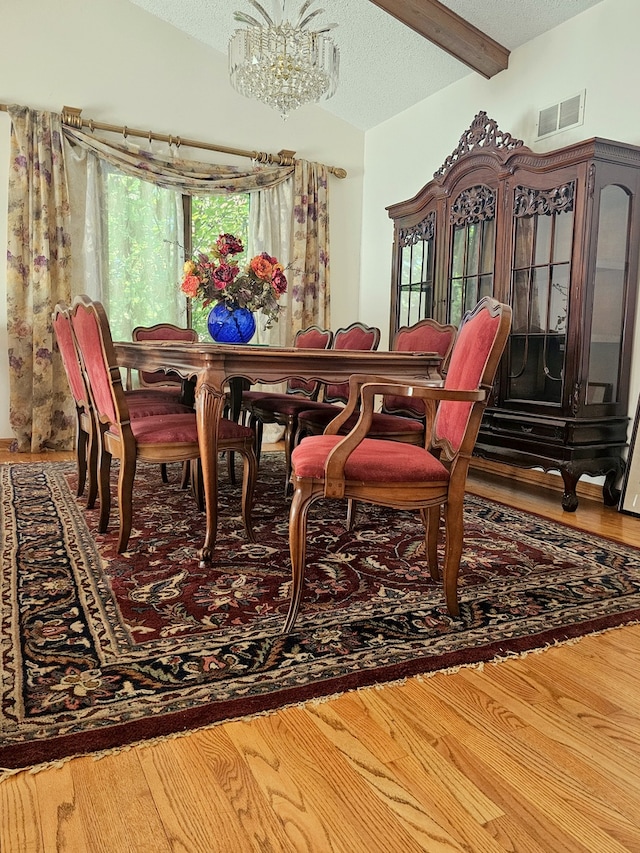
(166, 437)
(427, 478)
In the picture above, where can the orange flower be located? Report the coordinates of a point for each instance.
(262, 267)
(190, 285)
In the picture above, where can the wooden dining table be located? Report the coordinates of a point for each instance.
(214, 367)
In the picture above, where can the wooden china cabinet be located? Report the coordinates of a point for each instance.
(557, 236)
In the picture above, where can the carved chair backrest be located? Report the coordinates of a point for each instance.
(161, 332)
(312, 337)
(476, 353)
(424, 336)
(357, 336)
(95, 344)
(70, 359)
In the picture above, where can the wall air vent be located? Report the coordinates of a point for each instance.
(561, 116)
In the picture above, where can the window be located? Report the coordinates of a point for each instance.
(416, 274)
(147, 231)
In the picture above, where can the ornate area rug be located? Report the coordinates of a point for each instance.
(100, 650)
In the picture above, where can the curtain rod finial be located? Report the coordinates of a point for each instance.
(72, 116)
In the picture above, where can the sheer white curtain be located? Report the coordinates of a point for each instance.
(138, 262)
(143, 253)
(270, 224)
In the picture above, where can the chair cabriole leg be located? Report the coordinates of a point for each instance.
(125, 499)
(298, 545)
(249, 477)
(453, 553)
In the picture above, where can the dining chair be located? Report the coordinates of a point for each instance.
(430, 478)
(141, 403)
(313, 337)
(400, 418)
(159, 380)
(153, 438)
(284, 409)
(85, 445)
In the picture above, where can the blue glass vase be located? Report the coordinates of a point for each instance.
(231, 325)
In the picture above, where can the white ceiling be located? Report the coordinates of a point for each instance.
(384, 66)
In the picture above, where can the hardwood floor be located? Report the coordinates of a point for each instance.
(538, 754)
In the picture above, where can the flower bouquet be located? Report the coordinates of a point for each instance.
(217, 278)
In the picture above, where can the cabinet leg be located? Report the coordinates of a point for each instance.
(569, 498)
(610, 495)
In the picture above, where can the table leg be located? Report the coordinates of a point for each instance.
(209, 405)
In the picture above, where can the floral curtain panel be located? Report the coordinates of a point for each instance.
(309, 297)
(39, 256)
(38, 276)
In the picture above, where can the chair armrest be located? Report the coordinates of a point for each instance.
(356, 381)
(337, 458)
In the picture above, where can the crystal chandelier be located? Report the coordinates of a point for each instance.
(280, 63)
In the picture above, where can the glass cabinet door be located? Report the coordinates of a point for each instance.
(415, 299)
(473, 241)
(609, 292)
(541, 274)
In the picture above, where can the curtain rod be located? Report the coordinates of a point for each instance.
(72, 116)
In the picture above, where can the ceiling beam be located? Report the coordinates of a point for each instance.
(438, 24)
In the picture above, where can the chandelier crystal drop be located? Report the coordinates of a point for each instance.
(280, 62)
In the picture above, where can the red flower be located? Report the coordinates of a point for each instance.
(224, 275)
(227, 244)
(279, 282)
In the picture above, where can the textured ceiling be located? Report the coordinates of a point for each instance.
(384, 66)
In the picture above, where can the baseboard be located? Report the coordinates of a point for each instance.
(535, 477)
(5, 443)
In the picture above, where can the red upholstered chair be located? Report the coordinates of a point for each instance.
(401, 418)
(159, 380)
(426, 478)
(140, 402)
(312, 337)
(153, 438)
(283, 410)
(85, 445)
(424, 336)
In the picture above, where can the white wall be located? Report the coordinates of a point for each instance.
(596, 51)
(123, 66)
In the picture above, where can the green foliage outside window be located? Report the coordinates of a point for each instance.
(211, 216)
